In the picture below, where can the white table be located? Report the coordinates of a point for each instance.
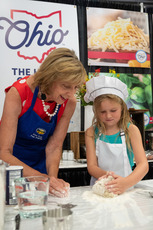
(132, 210)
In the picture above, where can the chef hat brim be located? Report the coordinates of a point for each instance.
(100, 85)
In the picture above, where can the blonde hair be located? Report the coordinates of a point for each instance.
(61, 64)
(124, 120)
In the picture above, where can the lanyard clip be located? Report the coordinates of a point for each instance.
(122, 133)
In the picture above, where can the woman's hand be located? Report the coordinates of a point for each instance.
(58, 187)
(118, 185)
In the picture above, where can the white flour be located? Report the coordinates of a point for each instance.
(92, 197)
(119, 212)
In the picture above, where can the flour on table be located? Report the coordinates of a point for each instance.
(94, 198)
(99, 193)
(117, 212)
(100, 189)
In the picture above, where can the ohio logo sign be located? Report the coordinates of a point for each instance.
(30, 35)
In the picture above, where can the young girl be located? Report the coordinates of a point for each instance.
(113, 141)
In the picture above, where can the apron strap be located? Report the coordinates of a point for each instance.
(127, 166)
(34, 97)
(34, 100)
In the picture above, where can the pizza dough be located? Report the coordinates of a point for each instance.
(100, 189)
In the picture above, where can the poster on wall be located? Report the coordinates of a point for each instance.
(140, 95)
(118, 38)
(29, 31)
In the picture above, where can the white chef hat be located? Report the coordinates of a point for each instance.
(100, 85)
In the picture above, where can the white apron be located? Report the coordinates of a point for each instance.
(113, 157)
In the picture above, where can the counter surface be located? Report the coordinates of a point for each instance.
(132, 210)
(66, 164)
(71, 164)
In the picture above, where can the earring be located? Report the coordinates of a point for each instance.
(43, 96)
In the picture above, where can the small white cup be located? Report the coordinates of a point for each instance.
(70, 155)
(65, 155)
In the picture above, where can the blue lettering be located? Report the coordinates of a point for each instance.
(22, 27)
(34, 34)
(14, 70)
(22, 71)
(141, 56)
(46, 39)
(61, 36)
(15, 26)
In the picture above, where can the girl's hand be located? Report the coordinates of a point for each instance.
(118, 185)
(58, 187)
(108, 173)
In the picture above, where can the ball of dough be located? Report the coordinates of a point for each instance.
(100, 189)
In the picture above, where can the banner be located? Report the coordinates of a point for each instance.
(29, 31)
(118, 38)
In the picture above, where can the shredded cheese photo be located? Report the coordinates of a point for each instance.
(120, 35)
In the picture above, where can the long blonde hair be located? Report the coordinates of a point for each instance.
(61, 64)
(124, 120)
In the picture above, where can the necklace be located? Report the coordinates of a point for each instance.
(47, 113)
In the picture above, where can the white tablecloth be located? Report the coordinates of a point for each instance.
(132, 210)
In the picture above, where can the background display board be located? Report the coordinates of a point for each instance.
(29, 31)
(140, 95)
(118, 38)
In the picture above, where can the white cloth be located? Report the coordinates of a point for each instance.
(113, 157)
(100, 85)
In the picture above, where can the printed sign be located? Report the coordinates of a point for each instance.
(118, 38)
(29, 31)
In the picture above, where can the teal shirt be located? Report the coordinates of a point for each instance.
(116, 139)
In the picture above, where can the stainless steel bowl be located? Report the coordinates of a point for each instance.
(58, 219)
(151, 194)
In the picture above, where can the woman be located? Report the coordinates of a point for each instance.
(36, 116)
(113, 141)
